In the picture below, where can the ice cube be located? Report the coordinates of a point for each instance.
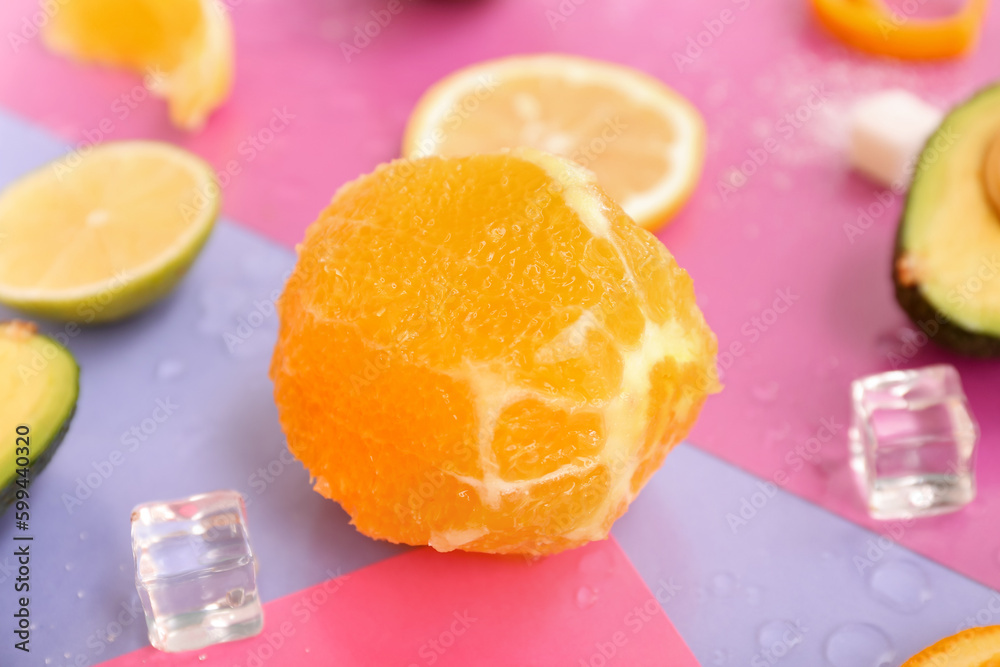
(912, 442)
(195, 571)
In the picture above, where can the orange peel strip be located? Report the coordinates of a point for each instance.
(869, 26)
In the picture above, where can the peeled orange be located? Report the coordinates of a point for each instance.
(485, 353)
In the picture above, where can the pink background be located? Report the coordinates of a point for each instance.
(781, 230)
(478, 609)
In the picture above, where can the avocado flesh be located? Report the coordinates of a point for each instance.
(947, 263)
(39, 384)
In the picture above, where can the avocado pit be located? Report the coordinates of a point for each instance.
(991, 173)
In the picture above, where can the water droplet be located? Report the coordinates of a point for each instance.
(782, 633)
(83, 535)
(80, 594)
(169, 369)
(765, 393)
(67, 655)
(722, 585)
(720, 657)
(586, 597)
(902, 585)
(753, 595)
(69, 566)
(202, 657)
(48, 661)
(859, 645)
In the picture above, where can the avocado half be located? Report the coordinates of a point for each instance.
(946, 266)
(39, 383)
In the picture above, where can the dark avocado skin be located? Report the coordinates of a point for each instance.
(8, 493)
(948, 335)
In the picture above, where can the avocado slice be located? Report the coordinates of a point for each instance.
(39, 384)
(947, 261)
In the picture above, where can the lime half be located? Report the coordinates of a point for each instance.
(97, 236)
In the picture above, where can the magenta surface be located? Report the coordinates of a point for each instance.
(461, 609)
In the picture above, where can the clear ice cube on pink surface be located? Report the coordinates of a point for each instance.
(912, 441)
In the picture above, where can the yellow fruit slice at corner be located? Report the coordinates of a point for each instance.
(184, 47)
(97, 236)
(975, 647)
(644, 141)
